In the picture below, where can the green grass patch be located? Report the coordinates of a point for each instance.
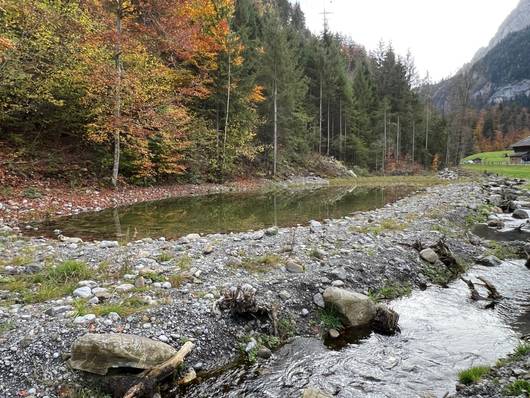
(496, 156)
(512, 171)
(184, 262)
(387, 224)
(478, 216)
(472, 375)
(6, 326)
(501, 251)
(51, 283)
(259, 264)
(376, 181)
(390, 291)
(330, 319)
(517, 388)
(164, 257)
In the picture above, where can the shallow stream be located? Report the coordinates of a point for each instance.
(442, 332)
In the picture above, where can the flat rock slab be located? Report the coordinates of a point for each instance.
(97, 353)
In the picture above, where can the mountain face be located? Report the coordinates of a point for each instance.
(518, 19)
(500, 72)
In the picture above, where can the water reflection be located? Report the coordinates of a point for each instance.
(232, 212)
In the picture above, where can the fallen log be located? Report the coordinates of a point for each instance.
(493, 292)
(149, 378)
(475, 295)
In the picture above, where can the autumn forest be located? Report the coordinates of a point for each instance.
(183, 90)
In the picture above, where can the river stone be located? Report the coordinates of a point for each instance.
(489, 261)
(385, 320)
(83, 292)
(293, 267)
(96, 353)
(429, 255)
(314, 393)
(520, 214)
(357, 309)
(319, 300)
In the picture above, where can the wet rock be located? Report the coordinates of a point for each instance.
(429, 255)
(520, 214)
(264, 353)
(496, 224)
(385, 320)
(357, 309)
(489, 261)
(333, 333)
(97, 353)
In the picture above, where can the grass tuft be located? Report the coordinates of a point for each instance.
(330, 319)
(472, 375)
(517, 388)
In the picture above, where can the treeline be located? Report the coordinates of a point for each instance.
(155, 89)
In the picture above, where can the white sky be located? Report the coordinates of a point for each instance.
(441, 34)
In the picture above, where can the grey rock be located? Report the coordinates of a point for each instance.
(107, 244)
(83, 292)
(101, 293)
(61, 309)
(429, 255)
(294, 267)
(97, 353)
(520, 214)
(85, 319)
(272, 231)
(126, 287)
(356, 309)
(264, 353)
(318, 299)
(489, 261)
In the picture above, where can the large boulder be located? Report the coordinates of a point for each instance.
(96, 353)
(356, 309)
(314, 393)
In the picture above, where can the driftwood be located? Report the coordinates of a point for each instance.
(493, 292)
(475, 295)
(149, 378)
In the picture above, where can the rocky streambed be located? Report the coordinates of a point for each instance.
(54, 291)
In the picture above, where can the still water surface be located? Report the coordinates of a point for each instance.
(219, 213)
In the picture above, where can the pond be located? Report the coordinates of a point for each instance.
(221, 213)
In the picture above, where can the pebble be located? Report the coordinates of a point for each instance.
(83, 292)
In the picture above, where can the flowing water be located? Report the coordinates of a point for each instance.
(442, 332)
(227, 212)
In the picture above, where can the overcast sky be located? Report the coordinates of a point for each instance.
(441, 34)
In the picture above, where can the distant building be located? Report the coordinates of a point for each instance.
(521, 152)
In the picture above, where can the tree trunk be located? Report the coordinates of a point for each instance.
(275, 125)
(117, 97)
(427, 116)
(384, 143)
(340, 129)
(327, 151)
(413, 139)
(227, 116)
(397, 140)
(320, 119)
